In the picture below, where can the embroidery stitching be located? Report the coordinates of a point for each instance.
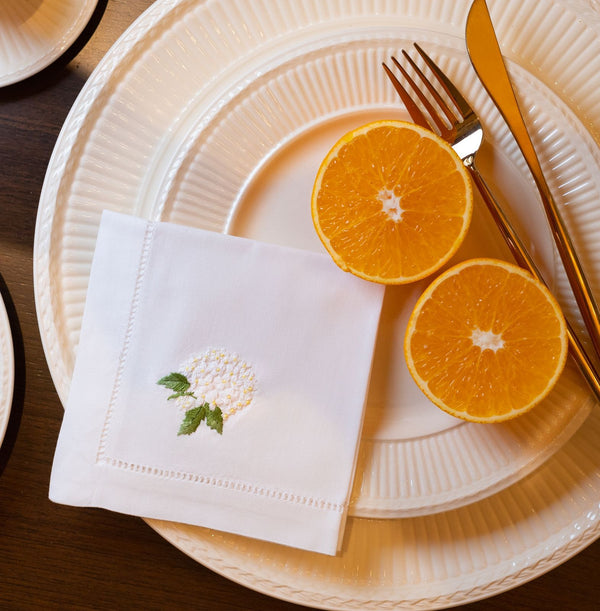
(284, 496)
(223, 383)
(139, 281)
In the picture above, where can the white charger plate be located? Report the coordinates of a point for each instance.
(7, 370)
(33, 33)
(214, 114)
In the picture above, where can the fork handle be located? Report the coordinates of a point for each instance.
(523, 259)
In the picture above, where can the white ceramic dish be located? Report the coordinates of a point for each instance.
(7, 370)
(214, 114)
(33, 33)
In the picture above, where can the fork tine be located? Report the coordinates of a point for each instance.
(454, 94)
(442, 127)
(413, 110)
(426, 103)
(432, 90)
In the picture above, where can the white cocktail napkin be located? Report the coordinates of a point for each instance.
(219, 382)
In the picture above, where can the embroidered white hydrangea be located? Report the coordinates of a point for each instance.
(210, 387)
(221, 379)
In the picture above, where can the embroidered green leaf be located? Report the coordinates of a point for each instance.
(181, 394)
(175, 381)
(193, 418)
(214, 419)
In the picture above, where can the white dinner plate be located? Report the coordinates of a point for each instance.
(7, 370)
(216, 114)
(33, 33)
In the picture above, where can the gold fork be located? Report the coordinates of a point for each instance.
(465, 134)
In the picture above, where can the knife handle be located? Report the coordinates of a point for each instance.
(523, 259)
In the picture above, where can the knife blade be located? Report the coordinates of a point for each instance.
(486, 58)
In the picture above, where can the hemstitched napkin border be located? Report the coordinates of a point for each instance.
(101, 461)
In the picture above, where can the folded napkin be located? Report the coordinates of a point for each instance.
(220, 382)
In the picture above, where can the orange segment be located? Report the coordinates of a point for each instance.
(486, 341)
(392, 202)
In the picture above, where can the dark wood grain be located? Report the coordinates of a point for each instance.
(56, 557)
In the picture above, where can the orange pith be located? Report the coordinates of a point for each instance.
(392, 202)
(486, 341)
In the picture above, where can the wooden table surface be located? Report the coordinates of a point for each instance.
(54, 556)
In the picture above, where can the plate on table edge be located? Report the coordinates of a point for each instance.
(194, 540)
(28, 60)
(7, 370)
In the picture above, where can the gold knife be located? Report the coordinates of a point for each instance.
(486, 57)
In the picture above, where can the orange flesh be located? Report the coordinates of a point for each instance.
(523, 351)
(392, 203)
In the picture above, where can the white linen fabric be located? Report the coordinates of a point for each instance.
(220, 382)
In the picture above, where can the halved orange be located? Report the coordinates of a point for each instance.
(486, 341)
(391, 202)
